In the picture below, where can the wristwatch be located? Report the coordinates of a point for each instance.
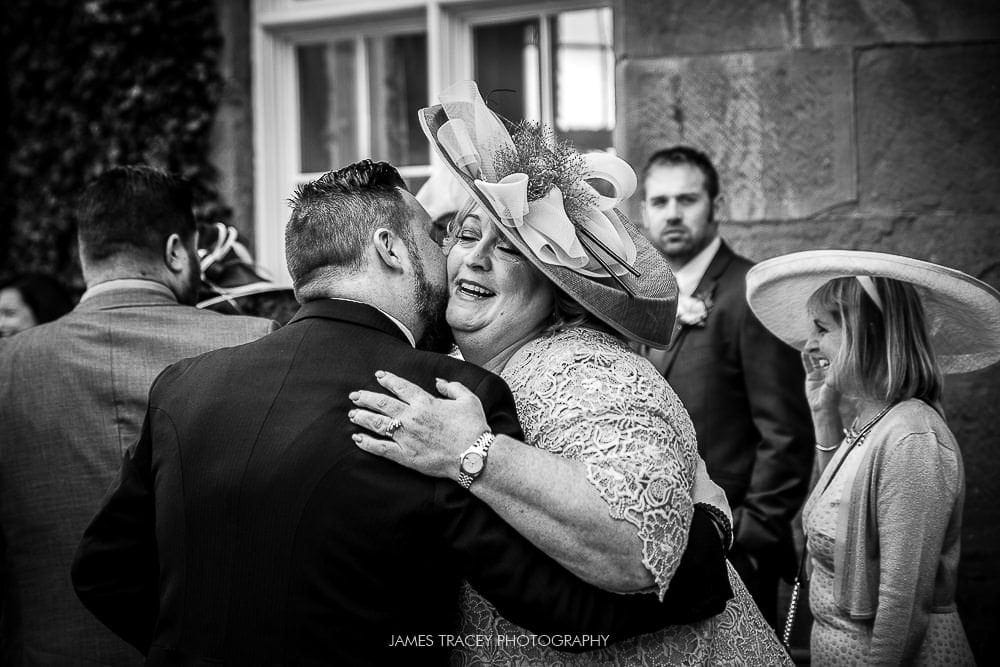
(473, 460)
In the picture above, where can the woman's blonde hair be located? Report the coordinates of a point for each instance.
(885, 352)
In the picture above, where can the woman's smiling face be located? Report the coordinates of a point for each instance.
(495, 293)
(825, 343)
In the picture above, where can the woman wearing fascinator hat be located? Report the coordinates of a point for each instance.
(884, 520)
(548, 283)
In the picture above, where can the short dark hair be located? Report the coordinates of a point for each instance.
(334, 216)
(45, 296)
(677, 155)
(132, 211)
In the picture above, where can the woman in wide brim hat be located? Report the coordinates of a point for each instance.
(883, 523)
(548, 282)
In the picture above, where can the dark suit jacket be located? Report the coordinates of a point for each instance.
(247, 527)
(72, 396)
(744, 390)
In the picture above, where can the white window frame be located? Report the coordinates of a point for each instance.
(356, 32)
(278, 26)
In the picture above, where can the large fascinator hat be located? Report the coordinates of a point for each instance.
(559, 208)
(962, 313)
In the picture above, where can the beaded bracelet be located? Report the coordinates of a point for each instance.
(721, 522)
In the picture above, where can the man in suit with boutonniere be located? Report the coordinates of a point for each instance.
(743, 388)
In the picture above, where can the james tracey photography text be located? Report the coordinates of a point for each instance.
(453, 641)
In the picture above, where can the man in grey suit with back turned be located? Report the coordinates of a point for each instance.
(72, 396)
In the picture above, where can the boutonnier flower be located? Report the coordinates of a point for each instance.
(692, 311)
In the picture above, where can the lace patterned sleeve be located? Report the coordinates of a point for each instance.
(598, 403)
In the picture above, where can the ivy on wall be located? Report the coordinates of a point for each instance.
(93, 84)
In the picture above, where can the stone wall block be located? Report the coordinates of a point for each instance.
(777, 124)
(650, 28)
(929, 128)
(968, 243)
(865, 22)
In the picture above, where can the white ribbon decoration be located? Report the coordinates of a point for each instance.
(454, 136)
(616, 172)
(551, 235)
(509, 198)
(473, 135)
(462, 100)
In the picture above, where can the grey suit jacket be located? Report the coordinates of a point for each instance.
(72, 396)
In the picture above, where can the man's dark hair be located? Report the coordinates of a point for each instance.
(678, 155)
(334, 216)
(132, 211)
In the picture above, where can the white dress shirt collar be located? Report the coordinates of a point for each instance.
(402, 327)
(689, 275)
(127, 284)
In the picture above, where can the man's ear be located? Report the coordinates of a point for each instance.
(719, 207)
(175, 254)
(389, 248)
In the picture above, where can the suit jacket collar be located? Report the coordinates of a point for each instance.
(349, 311)
(664, 360)
(689, 275)
(723, 258)
(126, 293)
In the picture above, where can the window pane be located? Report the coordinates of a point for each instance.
(328, 107)
(584, 78)
(414, 183)
(506, 59)
(397, 75)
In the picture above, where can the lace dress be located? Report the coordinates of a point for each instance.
(583, 394)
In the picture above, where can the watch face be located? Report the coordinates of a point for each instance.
(472, 463)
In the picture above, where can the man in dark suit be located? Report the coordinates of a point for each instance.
(742, 386)
(72, 396)
(247, 528)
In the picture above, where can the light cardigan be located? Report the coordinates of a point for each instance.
(897, 545)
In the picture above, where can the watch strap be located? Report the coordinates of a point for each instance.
(482, 447)
(465, 480)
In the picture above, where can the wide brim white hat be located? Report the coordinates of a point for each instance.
(963, 313)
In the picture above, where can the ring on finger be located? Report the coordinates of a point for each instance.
(393, 426)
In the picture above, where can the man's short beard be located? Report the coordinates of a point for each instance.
(432, 305)
(437, 336)
(689, 254)
(189, 290)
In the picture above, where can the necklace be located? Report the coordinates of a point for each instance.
(856, 440)
(857, 437)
